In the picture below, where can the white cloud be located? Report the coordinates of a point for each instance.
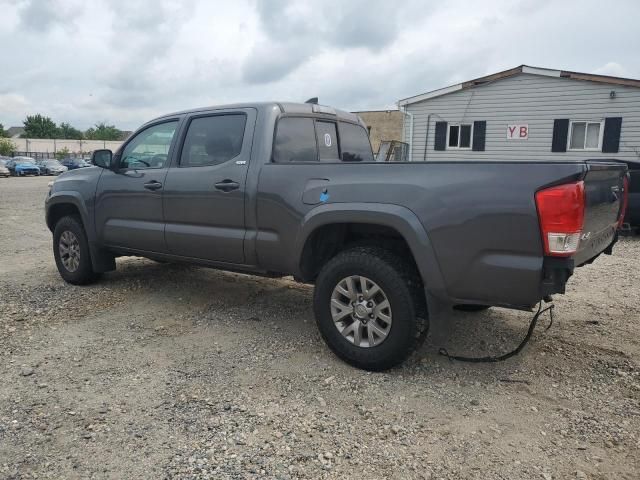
(126, 61)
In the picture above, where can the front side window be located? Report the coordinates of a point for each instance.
(459, 136)
(585, 136)
(149, 148)
(295, 141)
(354, 143)
(213, 140)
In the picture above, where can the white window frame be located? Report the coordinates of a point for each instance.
(449, 125)
(586, 128)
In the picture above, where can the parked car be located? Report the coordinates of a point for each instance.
(293, 189)
(4, 171)
(74, 163)
(51, 167)
(21, 166)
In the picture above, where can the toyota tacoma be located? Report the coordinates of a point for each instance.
(281, 189)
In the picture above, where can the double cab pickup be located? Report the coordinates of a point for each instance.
(293, 189)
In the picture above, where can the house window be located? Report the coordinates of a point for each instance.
(459, 136)
(585, 136)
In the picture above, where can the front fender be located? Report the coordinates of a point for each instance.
(399, 218)
(75, 199)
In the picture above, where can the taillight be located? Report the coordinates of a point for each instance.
(625, 200)
(561, 214)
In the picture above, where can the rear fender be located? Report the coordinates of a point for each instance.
(399, 218)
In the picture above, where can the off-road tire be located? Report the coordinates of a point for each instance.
(84, 274)
(401, 284)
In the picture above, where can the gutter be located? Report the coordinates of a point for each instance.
(403, 109)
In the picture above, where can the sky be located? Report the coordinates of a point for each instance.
(126, 61)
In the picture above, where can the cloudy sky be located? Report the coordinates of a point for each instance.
(126, 61)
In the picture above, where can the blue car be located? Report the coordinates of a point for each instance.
(21, 166)
(73, 163)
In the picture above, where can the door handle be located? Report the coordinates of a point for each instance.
(153, 185)
(227, 185)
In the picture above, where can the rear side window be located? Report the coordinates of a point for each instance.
(295, 141)
(327, 141)
(355, 143)
(213, 140)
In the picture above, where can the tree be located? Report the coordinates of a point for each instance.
(7, 147)
(68, 132)
(37, 126)
(62, 153)
(3, 132)
(102, 131)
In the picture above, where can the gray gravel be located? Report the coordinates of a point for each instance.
(170, 371)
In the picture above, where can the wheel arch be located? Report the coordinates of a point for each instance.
(332, 223)
(61, 204)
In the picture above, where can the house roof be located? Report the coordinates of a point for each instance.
(15, 131)
(545, 72)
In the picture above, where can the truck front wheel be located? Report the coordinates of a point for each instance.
(71, 251)
(370, 309)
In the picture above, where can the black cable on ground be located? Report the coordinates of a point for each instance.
(532, 326)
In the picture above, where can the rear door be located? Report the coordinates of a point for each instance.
(204, 196)
(604, 190)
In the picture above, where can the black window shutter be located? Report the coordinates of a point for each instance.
(611, 136)
(560, 133)
(440, 141)
(479, 134)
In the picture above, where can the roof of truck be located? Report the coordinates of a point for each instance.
(284, 107)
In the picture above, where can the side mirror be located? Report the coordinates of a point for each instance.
(102, 158)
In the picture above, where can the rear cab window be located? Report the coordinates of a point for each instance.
(295, 141)
(355, 143)
(307, 139)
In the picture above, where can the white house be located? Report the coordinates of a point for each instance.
(526, 113)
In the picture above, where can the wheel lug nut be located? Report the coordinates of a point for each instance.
(369, 304)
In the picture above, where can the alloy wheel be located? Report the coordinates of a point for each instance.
(361, 311)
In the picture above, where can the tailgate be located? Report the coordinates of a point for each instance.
(603, 187)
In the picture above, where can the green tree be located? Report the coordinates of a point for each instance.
(3, 132)
(68, 132)
(38, 126)
(102, 131)
(62, 153)
(7, 147)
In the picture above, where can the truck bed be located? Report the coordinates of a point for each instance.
(483, 241)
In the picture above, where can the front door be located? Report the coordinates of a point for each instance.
(204, 194)
(129, 197)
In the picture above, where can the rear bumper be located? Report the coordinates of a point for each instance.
(557, 270)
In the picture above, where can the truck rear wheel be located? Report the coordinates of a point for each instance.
(370, 309)
(71, 251)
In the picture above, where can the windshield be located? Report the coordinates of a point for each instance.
(27, 161)
(51, 162)
(3, 163)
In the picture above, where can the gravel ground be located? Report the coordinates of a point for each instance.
(170, 371)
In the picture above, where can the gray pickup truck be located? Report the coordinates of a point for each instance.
(293, 189)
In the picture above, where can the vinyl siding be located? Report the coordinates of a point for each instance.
(526, 99)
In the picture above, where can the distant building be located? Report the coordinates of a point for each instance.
(382, 125)
(15, 132)
(526, 113)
